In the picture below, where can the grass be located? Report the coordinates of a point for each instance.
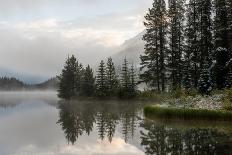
(186, 114)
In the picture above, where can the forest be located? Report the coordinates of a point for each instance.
(13, 84)
(187, 48)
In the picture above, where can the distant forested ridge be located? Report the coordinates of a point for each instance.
(13, 84)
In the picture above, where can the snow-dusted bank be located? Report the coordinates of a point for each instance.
(187, 113)
(217, 106)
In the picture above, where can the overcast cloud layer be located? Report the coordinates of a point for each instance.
(37, 35)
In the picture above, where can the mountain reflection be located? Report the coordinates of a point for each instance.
(80, 117)
(160, 139)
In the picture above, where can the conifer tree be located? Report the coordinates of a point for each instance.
(187, 80)
(101, 81)
(222, 54)
(79, 73)
(87, 86)
(205, 81)
(192, 40)
(67, 79)
(153, 60)
(229, 8)
(176, 41)
(125, 77)
(205, 31)
(132, 90)
(112, 81)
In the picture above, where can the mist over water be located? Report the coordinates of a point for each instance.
(40, 123)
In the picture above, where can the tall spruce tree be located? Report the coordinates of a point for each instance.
(87, 85)
(205, 30)
(125, 76)
(79, 73)
(153, 60)
(229, 8)
(176, 42)
(101, 81)
(67, 79)
(222, 53)
(187, 79)
(192, 40)
(132, 87)
(205, 81)
(112, 81)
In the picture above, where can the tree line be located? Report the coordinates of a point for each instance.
(13, 84)
(188, 45)
(77, 81)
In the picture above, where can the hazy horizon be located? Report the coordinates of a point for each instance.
(36, 36)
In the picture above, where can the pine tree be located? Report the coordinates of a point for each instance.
(112, 81)
(205, 30)
(87, 86)
(79, 73)
(153, 60)
(67, 79)
(101, 83)
(125, 76)
(192, 40)
(187, 80)
(229, 8)
(132, 89)
(222, 54)
(229, 76)
(205, 81)
(176, 41)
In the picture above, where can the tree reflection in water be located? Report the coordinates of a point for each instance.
(160, 139)
(83, 117)
(77, 118)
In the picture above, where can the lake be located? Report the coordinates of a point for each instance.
(38, 123)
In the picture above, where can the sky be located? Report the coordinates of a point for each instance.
(37, 35)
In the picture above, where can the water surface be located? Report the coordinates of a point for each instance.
(37, 123)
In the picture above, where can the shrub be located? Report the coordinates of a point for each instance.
(227, 100)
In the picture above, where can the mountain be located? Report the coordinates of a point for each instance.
(25, 78)
(13, 84)
(50, 84)
(131, 49)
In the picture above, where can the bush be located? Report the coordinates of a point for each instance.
(154, 95)
(227, 100)
(183, 93)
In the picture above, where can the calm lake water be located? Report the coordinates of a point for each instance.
(38, 123)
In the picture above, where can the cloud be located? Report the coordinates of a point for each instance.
(38, 39)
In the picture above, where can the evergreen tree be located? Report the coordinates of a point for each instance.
(125, 79)
(205, 26)
(229, 8)
(79, 74)
(176, 41)
(87, 86)
(67, 79)
(101, 83)
(192, 40)
(229, 76)
(205, 81)
(187, 80)
(153, 60)
(132, 90)
(112, 81)
(222, 54)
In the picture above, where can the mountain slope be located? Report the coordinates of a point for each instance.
(131, 49)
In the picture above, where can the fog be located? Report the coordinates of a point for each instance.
(37, 35)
